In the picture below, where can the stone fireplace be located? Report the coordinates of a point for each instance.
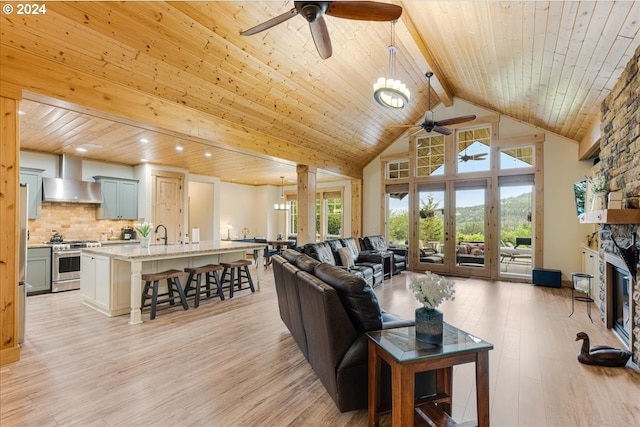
(620, 159)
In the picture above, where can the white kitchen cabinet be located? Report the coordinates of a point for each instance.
(95, 273)
(120, 198)
(591, 265)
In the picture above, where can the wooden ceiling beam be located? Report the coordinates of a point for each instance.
(439, 82)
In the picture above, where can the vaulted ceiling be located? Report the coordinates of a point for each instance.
(264, 103)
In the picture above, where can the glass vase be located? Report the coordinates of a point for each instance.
(429, 325)
(145, 241)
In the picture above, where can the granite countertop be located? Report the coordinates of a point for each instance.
(159, 251)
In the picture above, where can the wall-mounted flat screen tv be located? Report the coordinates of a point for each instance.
(580, 194)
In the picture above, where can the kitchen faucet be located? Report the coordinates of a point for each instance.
(165, 233)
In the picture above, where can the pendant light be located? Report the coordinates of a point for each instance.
(389, 92)
(282, 206)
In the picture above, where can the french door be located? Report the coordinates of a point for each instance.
(451, 228)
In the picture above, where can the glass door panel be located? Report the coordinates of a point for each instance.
(471, 246)
(516, 229)
(398, 219)
(431, 229)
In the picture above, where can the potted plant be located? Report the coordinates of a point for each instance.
(144, 229)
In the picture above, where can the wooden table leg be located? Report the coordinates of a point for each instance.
(482, 387)
(259, 270)
(374, 384)
(402, 395)
(444, 386)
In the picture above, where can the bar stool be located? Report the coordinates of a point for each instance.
(237, 271)
(195, 275)
(582, 285)
(152, 282)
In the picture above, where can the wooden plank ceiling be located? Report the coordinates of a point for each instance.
(546, 63)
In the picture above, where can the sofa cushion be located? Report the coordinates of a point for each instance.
(306, 263)
(290, 255)
(346, 257)
(357, 296)
(320, 251)
(376, 243)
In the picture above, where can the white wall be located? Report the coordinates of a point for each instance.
(563, 234)
(241, 206)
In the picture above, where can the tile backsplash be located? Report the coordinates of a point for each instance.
(74, 221)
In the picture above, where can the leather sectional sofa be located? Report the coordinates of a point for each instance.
(377, 243)
(328, 310)
(333, 252)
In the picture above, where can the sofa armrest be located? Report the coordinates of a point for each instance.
(390, 321)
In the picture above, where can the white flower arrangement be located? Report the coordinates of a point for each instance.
(144, 228)
(431, 289)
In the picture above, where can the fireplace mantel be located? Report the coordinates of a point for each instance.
(611, 216)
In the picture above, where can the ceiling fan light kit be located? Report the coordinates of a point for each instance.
(390, 92)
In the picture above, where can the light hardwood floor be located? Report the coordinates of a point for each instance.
(233, 363)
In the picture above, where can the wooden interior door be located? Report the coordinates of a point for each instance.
(168, 201)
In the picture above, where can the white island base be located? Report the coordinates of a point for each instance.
(110, 277)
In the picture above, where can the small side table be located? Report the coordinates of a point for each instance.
(406, 356)
(580, 282)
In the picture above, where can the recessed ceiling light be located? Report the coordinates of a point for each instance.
(207, 154)
(144, 160)
(21, 113)
(144, 140)
(179, 148)
(81, 150)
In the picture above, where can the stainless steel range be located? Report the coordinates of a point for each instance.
(66, 264)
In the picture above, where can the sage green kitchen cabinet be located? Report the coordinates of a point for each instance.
(33, 178)
(38, 270)
(119, 198)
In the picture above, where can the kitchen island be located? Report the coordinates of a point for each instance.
(110, 277)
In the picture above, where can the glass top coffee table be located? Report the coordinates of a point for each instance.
(406, 356)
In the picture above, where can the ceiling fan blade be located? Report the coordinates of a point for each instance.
(270, 23)
(404, 126)
(442, 130)
(364, 10)
(415, 132)
(321, 37)
(455, 120)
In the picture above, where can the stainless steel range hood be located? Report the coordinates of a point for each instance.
(70, 187)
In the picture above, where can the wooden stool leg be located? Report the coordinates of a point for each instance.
(183, 298)
(189, 284)
(196, 302)
(207, 284)
(145, 292)
(246, 271)
(170, 292)
(216, 280)
(231, 284)
(154, 299)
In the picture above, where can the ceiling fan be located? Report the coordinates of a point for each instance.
(314, 12)
(466, 157)
(430, 124)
